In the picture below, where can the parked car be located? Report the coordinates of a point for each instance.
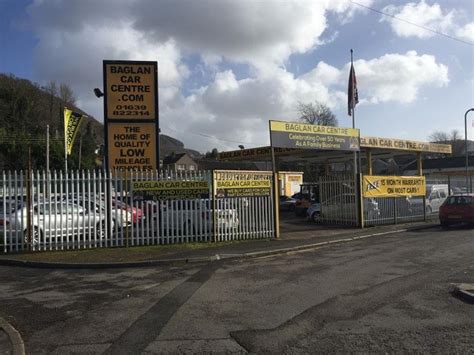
(341, 207)
(287, 203)
(193, 216)
(134, 214)
(309, 194)
(50, 220)
(435, 196)
(457, 209)
(314, 212)
(121, 217)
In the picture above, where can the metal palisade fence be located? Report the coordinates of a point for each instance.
(93, 209)
(338, 198)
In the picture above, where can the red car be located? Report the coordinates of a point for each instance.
(457, 209)
(137, 213)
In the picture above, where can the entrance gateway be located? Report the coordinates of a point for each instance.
(359, 199)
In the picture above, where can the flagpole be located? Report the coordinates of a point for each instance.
(65, 143)
(353, 126)
(357, 163)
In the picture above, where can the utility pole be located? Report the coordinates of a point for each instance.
(468, 189)
(80, 151)
(47, 149)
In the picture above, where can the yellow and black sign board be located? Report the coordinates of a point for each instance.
(255, 153)
(131, 114)
(393, 186)
(243, 188)
(132, 146)
(171, 189)
(403, 144)
(307, 136)
(130, 90)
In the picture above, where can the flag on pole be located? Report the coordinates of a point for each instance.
(72, 120)
(352, 94)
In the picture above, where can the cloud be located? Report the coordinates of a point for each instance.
(423, 14)
(237, 111)
(432, 17)
(74, 36)
(398, 77)
(466, 32)
(223, 35)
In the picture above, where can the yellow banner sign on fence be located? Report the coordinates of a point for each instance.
(393, 186)
(171, 189)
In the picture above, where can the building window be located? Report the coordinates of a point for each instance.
(180, 167)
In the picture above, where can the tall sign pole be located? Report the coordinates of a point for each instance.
(468, 185)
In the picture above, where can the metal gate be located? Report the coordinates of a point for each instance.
(249, 195)
(338, 196)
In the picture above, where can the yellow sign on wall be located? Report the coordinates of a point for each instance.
(393, 186)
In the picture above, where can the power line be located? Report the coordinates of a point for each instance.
(412, 23)
(213, 137)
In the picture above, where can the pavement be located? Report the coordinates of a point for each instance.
(11, 341)
(294, 238)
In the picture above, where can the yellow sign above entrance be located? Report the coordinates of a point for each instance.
(393, 186)
(403, 144)
(130, 90)
(308, 136)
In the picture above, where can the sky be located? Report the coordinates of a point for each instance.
(227, 67)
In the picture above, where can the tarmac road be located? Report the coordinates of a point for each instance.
(382, 294)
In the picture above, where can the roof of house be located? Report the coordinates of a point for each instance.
(208, 164)
(447, 163)
(173, 158)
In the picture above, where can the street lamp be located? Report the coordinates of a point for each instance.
(465, 149)
(98, 93)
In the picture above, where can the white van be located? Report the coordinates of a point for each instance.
(435, 196)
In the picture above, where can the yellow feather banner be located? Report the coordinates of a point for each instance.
(72, 121)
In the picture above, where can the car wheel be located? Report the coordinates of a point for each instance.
(291, 208)
(190, 228)
(36, 236)
(316, 217)
(100, 230)
(444, 224)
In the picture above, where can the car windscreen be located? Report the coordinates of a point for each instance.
(460, 200)
(9, 206)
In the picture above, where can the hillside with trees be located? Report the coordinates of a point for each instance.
(25, 111)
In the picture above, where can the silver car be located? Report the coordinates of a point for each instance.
(341, 208)
(50, 221)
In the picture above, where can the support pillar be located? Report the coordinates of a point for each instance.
(369, 161)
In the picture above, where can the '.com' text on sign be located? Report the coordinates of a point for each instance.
(130, 90)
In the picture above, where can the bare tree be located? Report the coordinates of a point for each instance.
(66, 95)
(439, 137)
(453, 138)
(316, 113)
